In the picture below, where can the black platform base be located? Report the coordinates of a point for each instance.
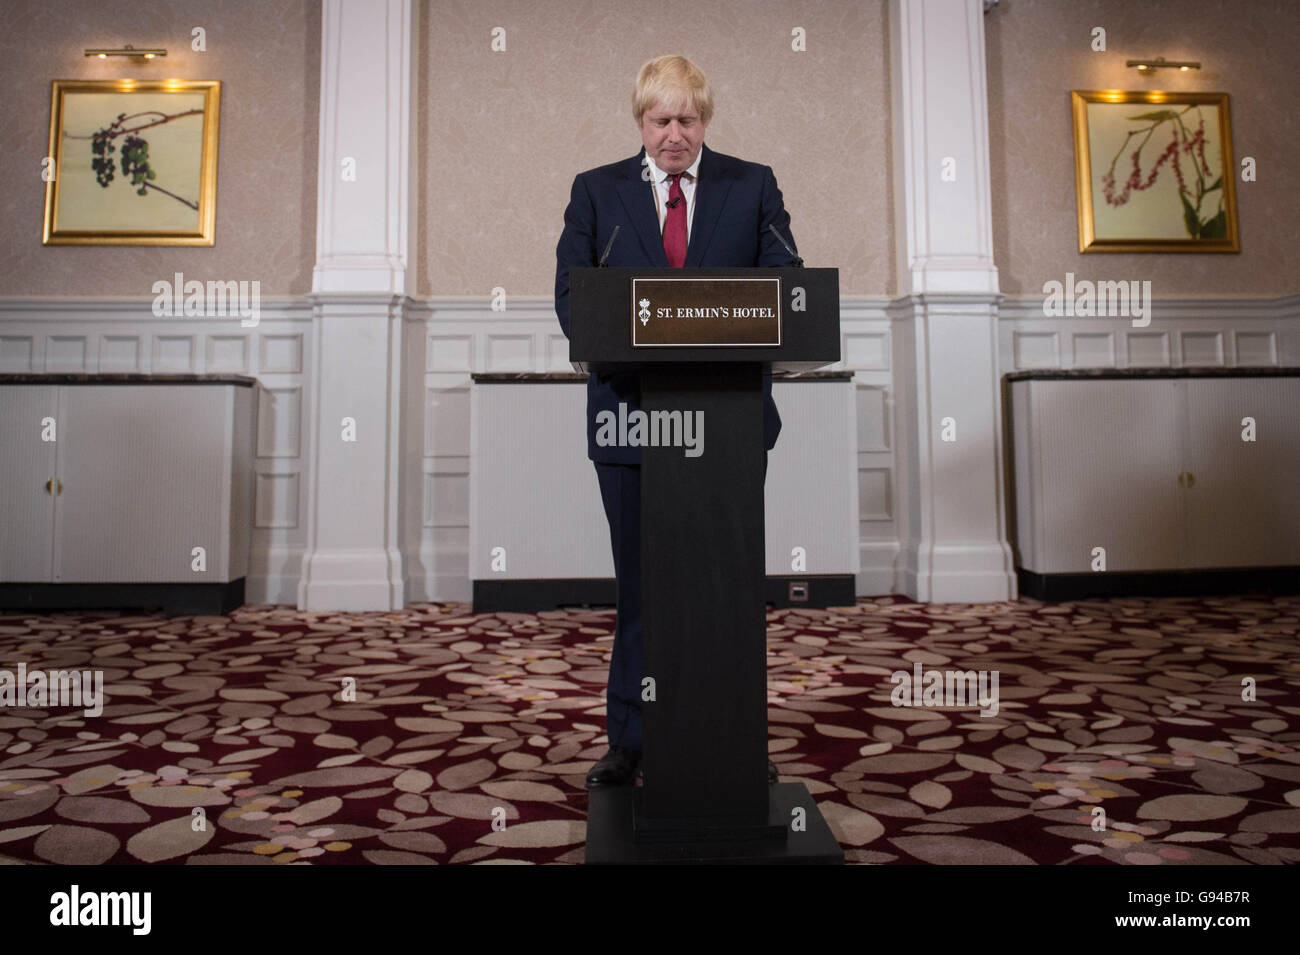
(172, 599)
(530, 596)
(1178, 583)
(611, 840)
(801, 590)
(647, 829)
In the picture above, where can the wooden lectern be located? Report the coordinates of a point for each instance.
(698, 339)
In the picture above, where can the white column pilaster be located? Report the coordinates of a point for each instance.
(951, 507)
(364, 239)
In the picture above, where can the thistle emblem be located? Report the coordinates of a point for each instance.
(644, 314)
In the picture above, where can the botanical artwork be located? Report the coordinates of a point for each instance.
(1154, 172)
(133, 164)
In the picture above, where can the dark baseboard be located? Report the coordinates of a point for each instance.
(172, 599)
(1177, 583)
(828, 590)
(530, 596)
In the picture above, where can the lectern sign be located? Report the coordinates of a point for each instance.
(689, 312)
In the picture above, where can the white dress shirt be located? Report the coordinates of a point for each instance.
(660, 184)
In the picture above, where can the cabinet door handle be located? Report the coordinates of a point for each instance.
(59, 485)
(49, 486)
(1191, 479)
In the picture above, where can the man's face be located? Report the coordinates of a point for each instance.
(672, 136)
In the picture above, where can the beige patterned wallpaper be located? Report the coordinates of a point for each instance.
(503, 134)
(1039, 50)
(267, 55)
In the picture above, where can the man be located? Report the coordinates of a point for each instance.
(677, 204)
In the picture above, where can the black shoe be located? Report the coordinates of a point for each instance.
(616, 768)
(771, 773)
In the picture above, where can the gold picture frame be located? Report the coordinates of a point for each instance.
(110, 185)
(1179, 194)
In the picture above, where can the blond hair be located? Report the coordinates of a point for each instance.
(669, 80)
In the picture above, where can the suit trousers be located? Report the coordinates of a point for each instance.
(620, 492)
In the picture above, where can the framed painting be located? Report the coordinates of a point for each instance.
(134, 162)
(1154, 172)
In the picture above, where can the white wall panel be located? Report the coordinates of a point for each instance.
(226, 353)
(279, 422)
(447, 421)
(509, 352)
(65, 353)
(119, 353)
(872, 418)
(873, 492)
(868, 351)
(173, 354)
(16, 352)
(450, 336)
(277, 500)
(438, 427)
(1256, 348)
(449, 353)
(1148, 349)
(1201, 348)
(1093, 349)
(1037, 349)
(1262, 330)
(557, 353)
(281, 354)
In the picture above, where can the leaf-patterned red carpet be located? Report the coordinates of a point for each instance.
(1136, 706)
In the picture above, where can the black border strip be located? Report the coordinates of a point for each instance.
(172, 599)
(529, 596)
(1193, 583)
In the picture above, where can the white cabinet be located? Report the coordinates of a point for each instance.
(1154, 470)
(538, 533)
(27, 469)
(1244, 496)
(124, 480)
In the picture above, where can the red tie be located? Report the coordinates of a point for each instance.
(675, 225)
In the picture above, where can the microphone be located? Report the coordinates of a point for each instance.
(798, 262)
(609, 245)
(672, 203)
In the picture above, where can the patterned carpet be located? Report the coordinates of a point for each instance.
(1134, 705)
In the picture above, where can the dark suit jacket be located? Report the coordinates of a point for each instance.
(735, 203)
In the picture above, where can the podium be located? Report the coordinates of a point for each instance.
(697, 340)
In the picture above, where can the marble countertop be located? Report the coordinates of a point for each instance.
(554, 377)
(1208, 371)
(122, 378)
